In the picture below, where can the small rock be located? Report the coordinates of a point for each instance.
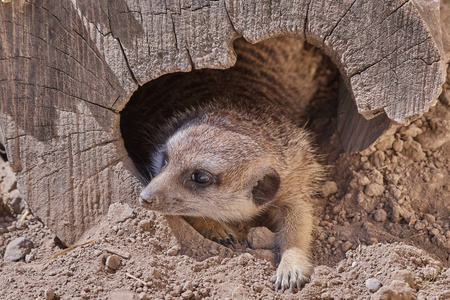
(397, 290)
(434, 232)
(331, 240)
(377, 158)
(17, 249)
(404, 275)
(243, 259)
(373, 241)
(380, 215)
(373, 284)
(261, 238)
(376, 177)
(374, 190)
(187, 295)
(363, 181)
(346, 246)
(398, 145)
(173, 251)
(419, 225)
(396, 193)
(414, 150)
(411, 131)
(113, 262)
(329, 188)
(16, 202)
(367, 203)
(177, 290)
(49, 294)
(385, 142)
(258, 287)
(119, 212)
(145, 225)
(436, 138)
(429, 218)
(142, 296)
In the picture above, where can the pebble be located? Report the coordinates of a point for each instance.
(145, 225)
(346, 246)
(119, 212)
(414, 150)
(49, 294)
(363, 181)
(403, 275)
(331, 240)
(374, 190)
(373, 284)
(429, 218)
(142, 296)
(380, 215)
(261, 238)
(17, 249)
(385, 143)
(377, 158)
(396, 193)
(397, 290)
(434, 232)
(187, 295)
(258, 287)
(173, 251)
(377, 177)
(398, 145)
(436, 138)
(113, 262)
(329, 188)
(15, 202)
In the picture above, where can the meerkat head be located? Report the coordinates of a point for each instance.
(205, 170)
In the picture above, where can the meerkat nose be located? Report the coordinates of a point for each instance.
(144, 202)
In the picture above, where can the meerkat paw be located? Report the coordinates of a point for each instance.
(293, 271)
(216, 231)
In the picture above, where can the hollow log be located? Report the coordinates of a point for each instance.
(67, 68)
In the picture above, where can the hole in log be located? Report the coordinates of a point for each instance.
(283, 70)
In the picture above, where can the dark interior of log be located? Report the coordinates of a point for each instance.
(278, 67)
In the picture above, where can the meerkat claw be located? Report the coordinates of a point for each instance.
(233, 239)
(277, 285)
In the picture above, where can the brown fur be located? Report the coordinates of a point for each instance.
(263, 168)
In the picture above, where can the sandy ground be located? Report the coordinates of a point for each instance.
(382, 232)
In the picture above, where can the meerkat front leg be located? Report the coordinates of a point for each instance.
(294, 240)
(218, 232)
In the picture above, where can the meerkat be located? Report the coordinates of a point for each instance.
(234, 161)
(238, 154)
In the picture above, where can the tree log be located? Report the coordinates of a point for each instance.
(67, 68)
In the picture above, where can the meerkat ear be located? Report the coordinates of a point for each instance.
(266, 188)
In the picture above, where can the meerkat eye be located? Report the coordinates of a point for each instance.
(202, 177)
